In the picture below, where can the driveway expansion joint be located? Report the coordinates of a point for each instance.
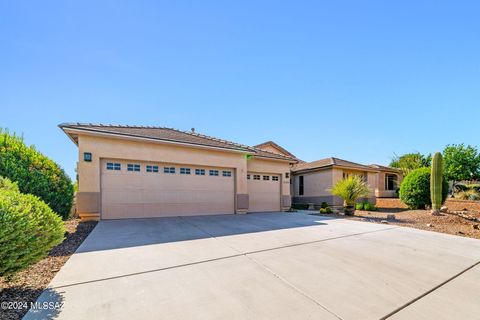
(429, 291)
(240, 254)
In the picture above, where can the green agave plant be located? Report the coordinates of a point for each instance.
(351, 189)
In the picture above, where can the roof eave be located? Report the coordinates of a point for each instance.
(69, 131)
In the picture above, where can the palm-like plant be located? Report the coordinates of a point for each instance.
(350, 190)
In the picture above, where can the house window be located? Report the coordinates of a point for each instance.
(256, 177)
(213, 173)
(133, 167)
(200, 172)
(227, 173)
(300, 186)
(287, 175)
(168, 169)
(113, 166)
(184, 170)
(274, 178)
(152, 168)
(248, 177)
(345, 175)
(390, 182)
(266, 178)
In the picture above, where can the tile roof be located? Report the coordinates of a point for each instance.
(275, 145)
(385, 168)
(173, 135)
(327, 162)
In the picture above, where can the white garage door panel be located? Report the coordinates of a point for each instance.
(144, 194)
(264, 195)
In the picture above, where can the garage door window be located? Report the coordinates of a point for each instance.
(184, 170)
(152, 168)
(168, 169)
(248, 177)
(274, 178)
(133, 167)
(266, 178)
(200, 172)
(213, 173)
(256, 177)
(227, 173)
(113, 166)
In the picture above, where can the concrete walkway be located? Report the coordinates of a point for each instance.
(266, 266)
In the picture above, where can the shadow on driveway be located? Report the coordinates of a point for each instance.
(125, 233)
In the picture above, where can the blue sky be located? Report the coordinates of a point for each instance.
(359, 80)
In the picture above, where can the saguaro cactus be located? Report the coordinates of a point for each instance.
(436, 177)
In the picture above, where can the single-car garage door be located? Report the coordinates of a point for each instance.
(134, 189)
(264, 192)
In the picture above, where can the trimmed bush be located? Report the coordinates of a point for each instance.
(7, 184)
(29, 229)
(415, 189)
(367, 206)
(325, 210)
(35, 173)
(359, 206)
(324, 205)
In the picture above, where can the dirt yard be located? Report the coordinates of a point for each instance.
(26, 286)
(422, 219)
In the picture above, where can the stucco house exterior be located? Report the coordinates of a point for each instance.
(312, 181)
(140, 172)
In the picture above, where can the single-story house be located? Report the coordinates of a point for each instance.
(139, 172)
(311, 181)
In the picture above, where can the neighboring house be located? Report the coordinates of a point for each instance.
(312, 181)
(139, 172)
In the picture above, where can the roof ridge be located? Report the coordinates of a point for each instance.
(234, 145)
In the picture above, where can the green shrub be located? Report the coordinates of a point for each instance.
(468, 195)
(35, 173)
(326, 210)
(29, 229)
(367, 206)
(7, 184)
(324, 205)
(300, 206)
(359, 206)
(415, 189)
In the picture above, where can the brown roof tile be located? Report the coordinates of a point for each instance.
(327, 162)
(173, 135)
(277, 146)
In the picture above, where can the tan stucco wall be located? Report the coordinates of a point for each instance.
(318, 183)
(314, 183)
(122, 149)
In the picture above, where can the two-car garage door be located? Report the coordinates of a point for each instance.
(139, 190)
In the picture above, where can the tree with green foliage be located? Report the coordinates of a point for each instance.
(461, 162)
(410, 161)
(29, 229)
(350, 190)
(34, 173)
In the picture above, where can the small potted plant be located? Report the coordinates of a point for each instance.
(350, 190)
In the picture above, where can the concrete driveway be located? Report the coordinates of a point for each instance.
(266, 266)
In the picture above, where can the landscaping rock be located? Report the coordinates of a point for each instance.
(444, 209)
(429, 225)
(384, 221)
(390, 217)
(475, 226)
